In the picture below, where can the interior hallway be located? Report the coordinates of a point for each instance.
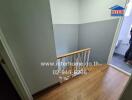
(118, 60)
(104, 84)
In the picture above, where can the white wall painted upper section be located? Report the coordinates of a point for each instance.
(97, 10)
(82, 11)
(64, 11)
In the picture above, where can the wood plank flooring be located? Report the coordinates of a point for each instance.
(105, 84)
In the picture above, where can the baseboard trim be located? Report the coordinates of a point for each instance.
(119, 69)
(46, 90)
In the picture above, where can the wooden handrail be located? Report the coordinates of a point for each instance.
(72, 53)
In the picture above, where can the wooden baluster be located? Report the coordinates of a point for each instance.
(65, 68)
(88, 56)
(78, 60)
(69, 66)
(57, 61)
(81, 58)
(75, 58)
(72, 66)
(84, 58)
(75, 62)
(60, 64)
(60, 74)
(85, 61)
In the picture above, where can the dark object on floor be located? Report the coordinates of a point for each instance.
(128, 55)
(125, 60)
(129, 62)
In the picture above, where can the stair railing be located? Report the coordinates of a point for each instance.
(68, 63)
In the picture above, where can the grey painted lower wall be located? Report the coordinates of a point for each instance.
(66, 38)
(98, 36)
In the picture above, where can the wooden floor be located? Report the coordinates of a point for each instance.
(105, 84)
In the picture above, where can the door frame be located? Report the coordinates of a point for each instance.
(117, 33)
(12, 69)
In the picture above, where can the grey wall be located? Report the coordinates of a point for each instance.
(27, 27)
(80, 12)
(66, 38)
(65, 17)
(98, 36)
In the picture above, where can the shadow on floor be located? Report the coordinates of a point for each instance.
(118, 60)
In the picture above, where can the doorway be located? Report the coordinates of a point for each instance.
(12, 71)
(122, 43)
